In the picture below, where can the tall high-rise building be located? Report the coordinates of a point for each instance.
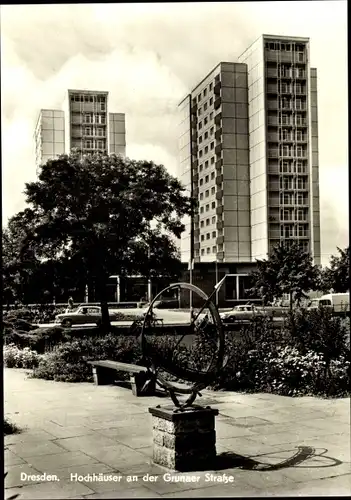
(84, 123)
(249, 154)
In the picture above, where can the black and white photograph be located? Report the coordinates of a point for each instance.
(175, 250)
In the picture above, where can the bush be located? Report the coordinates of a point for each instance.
(10, 428)
(68, 361)
(20, 358)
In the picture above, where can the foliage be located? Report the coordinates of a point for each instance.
(289, 270)
(91, 216)
(68, 361)
(20, 358)
(336, 277)
(10, 428)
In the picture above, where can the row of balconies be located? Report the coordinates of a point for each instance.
(274, 120)
(292, 106)
(297, 74)
(292, 170)
(288, 57)
(290, 186)
(276, 153)
(275, 202)
(288, 90)
(272, 137)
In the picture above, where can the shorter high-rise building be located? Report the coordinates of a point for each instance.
(84, 123)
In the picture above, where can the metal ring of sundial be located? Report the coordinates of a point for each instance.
(200, 379)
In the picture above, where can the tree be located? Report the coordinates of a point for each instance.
(336, 277)
(95, 214)
(289, 270)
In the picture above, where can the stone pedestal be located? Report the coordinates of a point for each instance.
(184, 440)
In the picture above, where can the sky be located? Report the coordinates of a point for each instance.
(149, 56)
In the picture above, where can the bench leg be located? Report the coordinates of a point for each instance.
(102, 376)
(138, 381)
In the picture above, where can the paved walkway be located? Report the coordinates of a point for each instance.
(269, 445)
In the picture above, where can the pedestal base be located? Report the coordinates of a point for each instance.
(184, 440)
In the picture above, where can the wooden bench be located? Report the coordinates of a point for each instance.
(142, 380)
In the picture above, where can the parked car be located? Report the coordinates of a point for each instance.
(83, 315)
(248, 311)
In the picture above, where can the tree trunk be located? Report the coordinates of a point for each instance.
(102, 295)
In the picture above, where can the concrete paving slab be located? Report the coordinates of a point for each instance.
(140, 492)
(11, 458)
(61, 460)
(13, 477)
(35, 448)
(50, 490)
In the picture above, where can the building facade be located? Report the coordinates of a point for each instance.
(84, 123)
(249, 155)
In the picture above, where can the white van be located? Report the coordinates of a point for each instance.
(338, 302)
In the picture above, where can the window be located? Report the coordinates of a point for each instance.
(88, 118)
(300, 167)
(207, 222)
(200, 139)
(206, 150)
(285, 120)
(298, 103)
(206, 135)
(202, 251)
(285, 87)
(206, 178)
(200, 125)
(211, 101)
(207, 208)
(212, 145)
(299, 199)
(214, 249)
(212, 131)
(202, 237)
(302, 230)
(88, 144)
(199, 98)
(208, 236)
(103, 106)
(301, 214)
(205, 92)
(201, 196)
(300, 73)
(201, 210)
(206, 120)
(285, 151)
(206, 164)
(201, 182)
(201, 168)
(298, 88)
(211, 116)
(87, 131)
(299, 151)
(213, 220)
(300, 57)
(282, 47)
(212, 160)
(213, 234)
(100, 144)
(213, 204)
(208, 250)
(286, 134)
(200, 153)
(211, 86)
(207, 193)
(100, 132)
(205, 106)
(213, 190)
(301, 183)
(199, 111)
(212, 175)
(288, 47)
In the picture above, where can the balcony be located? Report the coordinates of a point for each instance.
(218, 118)
(287, 138)
(274, 234)
(218, 149)
(217, 102)
(195, 163)
(301, 139)
(218, 134)
(300, 75)
(194, 110)
(272, 120)
(219, 195)
(271, 137)
(196, 178)
(196, 219)
(271, 73)
(273, 169)
(220, 256)
(219, 164)
(273, 153)
(219, 210)
(219, 179)
(273, 202)
(272, 89)
(219, 225)
(196, 245)
(273, 186)
(194, 148)
(217, 88)
(197, 233)
(272, 104)
(220, 240)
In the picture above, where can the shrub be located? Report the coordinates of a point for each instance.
(10, 428)
(20, 358)
(68, 361)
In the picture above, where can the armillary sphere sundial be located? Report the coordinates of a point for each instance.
(194, 357)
